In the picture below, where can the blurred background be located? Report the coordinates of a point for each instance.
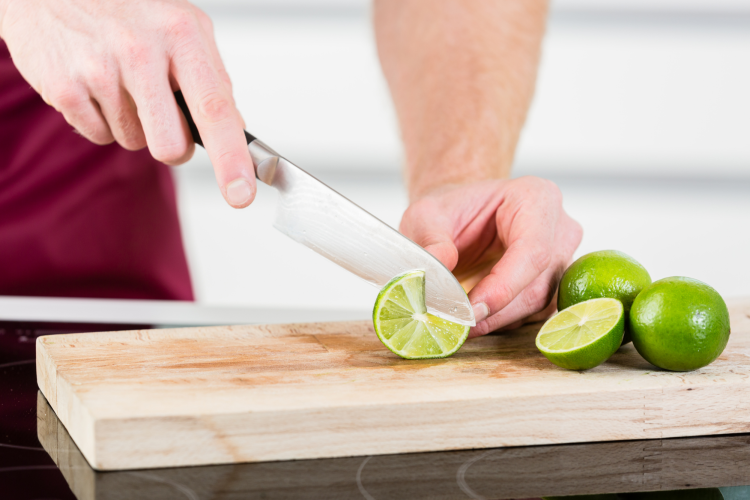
(642, 117)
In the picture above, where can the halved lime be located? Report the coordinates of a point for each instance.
(405, 327)
(584, 335)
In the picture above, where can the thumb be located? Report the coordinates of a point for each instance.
(431, 231)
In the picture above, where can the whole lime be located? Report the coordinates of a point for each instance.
(607, 273)
(679, 324)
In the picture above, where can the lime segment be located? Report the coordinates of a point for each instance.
(405, 327)
(583, 335)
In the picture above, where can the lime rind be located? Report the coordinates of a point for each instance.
(404, 326)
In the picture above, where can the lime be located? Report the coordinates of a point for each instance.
(679, 324)
(607, 273)
(405, 327)
(584, 335)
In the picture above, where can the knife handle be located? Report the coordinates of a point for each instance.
(191, 124)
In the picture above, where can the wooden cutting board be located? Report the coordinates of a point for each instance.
(160, 398)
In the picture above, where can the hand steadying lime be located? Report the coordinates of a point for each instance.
(404, 326)
(584, 335)
(607, 273)
(679, 324)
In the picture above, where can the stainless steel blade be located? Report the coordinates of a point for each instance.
(315, 215)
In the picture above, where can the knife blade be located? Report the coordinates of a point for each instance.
(313, 214)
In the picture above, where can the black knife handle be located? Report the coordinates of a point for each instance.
(193, 129)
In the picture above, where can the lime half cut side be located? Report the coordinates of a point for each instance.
(405, 327)
(584, 335)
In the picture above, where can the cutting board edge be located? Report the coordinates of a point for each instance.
(622, 417)
(46, 372)
(68, 407)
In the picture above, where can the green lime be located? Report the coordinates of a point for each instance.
(679, 324)
(607, 273)
(405, 327)
(584, 335)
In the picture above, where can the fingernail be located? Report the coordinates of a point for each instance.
(239, 192)
(481, 311)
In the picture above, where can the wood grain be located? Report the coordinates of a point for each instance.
(160, 398)
(535, 471)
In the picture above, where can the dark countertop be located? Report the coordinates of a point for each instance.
(719, 466)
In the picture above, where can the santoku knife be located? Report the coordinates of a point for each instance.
(315, 215)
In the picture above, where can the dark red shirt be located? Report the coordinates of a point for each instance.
(77, 219)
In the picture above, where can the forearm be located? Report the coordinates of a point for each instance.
(461, 73)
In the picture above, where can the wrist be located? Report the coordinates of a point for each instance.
(477, 154)
(438, 176)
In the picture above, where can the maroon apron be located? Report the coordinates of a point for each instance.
(77, 219)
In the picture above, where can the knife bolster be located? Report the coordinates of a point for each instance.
(265, 160)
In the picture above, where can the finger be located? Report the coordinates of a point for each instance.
(530, 240)
(218, 121)
(534, 303)
(120, 113)
(208, 27)
(425, 224)
(145, 75)
(82, 112)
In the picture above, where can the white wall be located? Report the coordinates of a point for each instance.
(626, 88)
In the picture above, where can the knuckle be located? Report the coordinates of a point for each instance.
(183, 24)
(553, 192)
(215, 108)
(576, 232)
(541, 187)
(530, 181)
(540, 259)
(412, 221)
(504, 294)
(228, 158)
(66, 97)
(537, 297)
(100, 75)
(204, 19)
(100, 79)
(412, 212)
(135, 54)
